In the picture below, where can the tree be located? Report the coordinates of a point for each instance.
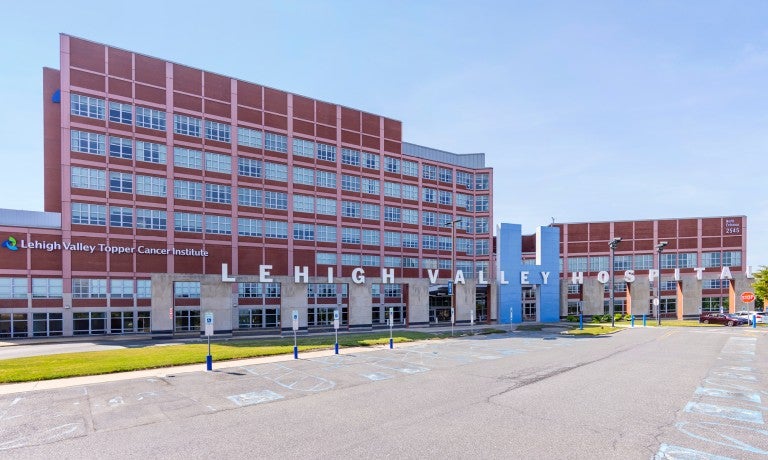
(761, 284)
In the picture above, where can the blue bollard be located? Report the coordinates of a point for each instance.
(633, 320)
(754, 321)
(391, 344)
(581, 321)
(643, 320)
(209, 363)
(336, 348)
(295, 352)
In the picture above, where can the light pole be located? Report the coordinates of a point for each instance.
(659, 247)
(453, 224)
(613, 243)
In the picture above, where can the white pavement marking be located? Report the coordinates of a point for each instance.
(667, 452)
(255, 397)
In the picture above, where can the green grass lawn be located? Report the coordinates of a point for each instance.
(132, 359)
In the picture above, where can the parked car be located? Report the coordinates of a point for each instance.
(726, 319)
(748, 315)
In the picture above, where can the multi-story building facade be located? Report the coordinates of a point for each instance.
(703, 266)
(170, 191)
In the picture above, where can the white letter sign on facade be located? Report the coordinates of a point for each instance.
(698, 271)
(653, 274)
(387, 275)
(300, 273)
(225, 278)
(603, 277)
(629, 276)
(432, 275)
(264, 273)
(524, 278)
(358, 276)
(726, 274)
(577, 278)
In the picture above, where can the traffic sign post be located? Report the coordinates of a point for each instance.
(209, 333)
(336, 328)
(295, 318)
(391, 323)
(472, 322)
(747, 297)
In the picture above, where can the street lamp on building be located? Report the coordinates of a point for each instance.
(612, 244)
(659, 247)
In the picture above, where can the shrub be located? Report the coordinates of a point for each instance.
(571, 318)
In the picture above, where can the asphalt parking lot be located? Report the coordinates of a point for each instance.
(641, 393)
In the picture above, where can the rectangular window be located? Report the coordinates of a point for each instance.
(186, 289)
(410, 216)
(248, 227)
(731, 258)
(303, 176)
(303, 232)
(248, 168)
(669, 260)
(188, 222)
(350, 183)
(303, 148)
(371, 237)
(392, 165)
(13, 288)
(150, 152)
(303, 203)
(326, 206)
(86, 106)
(481, 203)
(120, 182)
(410, 168)
(392, 239)
(89, 214)
(216, 131)
(429, 219)
(445, 175)
(410, 240)
(326, 179)
(428, 242)
(410, 192)
(275, 229)
(371, 211)
(249, 137)
(151, 186)
(686, 260)
(216, 162)
(249, 197)
(122, 289)
(325, 258)
(120, 147)
(352, 260)
(150, 219)
(47, 288)
(370, 161)
(276, 142)
(187, 190)
(465, 179)
(350, 235)
(481, 247)
(350, 157)
(391, 214)
(92, 179)
(481, 182)
(121, 113)
(150, 118)
(445, 198)
(390, 261)
(120, 217)
(326, 152)
(429, 195)
(370, 186)
(429, 172)
(276, 172)
(710, 259)
(445, 243)
(392, 189)
(85, 142)
(326, 233)
(578, 264)
(187, 158)
(350, 209)
(275, 200)
(215, 193)
(218, 225)
(87, 288)
(370, 261)
(643, 262)
(185, 125)
(144, 289)
(598, 263)
(622, 263)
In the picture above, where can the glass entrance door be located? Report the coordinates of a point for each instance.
(529, 303)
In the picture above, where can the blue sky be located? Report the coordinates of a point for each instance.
(587, 111)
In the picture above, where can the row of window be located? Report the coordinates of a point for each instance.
(666, 285)
(156, 219)
(92, 107)
(82, 288)
(96, 179)
(645, 261)
(191, 289)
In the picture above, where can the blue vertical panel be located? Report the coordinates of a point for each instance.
(548, 258)
(510, 242)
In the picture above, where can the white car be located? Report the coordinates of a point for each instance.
(748, 315)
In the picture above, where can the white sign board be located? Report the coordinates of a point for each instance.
(391, 316)
(209, 323)
(295, 318)
(656, 302)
